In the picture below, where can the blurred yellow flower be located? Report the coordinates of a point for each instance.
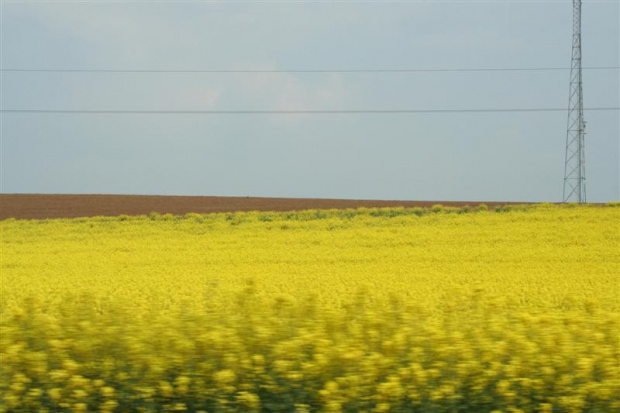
(393, 309)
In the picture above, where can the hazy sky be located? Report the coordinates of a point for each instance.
(485, 156)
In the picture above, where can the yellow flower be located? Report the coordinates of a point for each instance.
(248, 401)
(345, 309)
(107, 391)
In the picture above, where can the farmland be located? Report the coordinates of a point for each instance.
(371, 309)
(40, 206)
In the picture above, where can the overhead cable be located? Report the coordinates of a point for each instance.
(286, 112)
(267, 71)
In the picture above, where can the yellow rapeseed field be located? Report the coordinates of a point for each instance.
(368, 310)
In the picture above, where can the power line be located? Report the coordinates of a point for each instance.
(288, 112)
(519, 69)
(220, 2)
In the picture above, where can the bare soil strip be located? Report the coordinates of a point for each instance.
(22, 206)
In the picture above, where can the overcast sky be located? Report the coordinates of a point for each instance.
(458, 156)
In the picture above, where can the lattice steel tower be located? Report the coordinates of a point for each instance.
(574, 165)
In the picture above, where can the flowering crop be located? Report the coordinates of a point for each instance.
(378, 310)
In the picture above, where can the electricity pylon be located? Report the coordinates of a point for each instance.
(574, 165)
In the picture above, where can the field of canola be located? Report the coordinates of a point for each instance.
(369, 310)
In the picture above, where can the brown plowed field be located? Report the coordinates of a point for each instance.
(71, 206)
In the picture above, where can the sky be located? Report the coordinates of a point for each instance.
(412, 156)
